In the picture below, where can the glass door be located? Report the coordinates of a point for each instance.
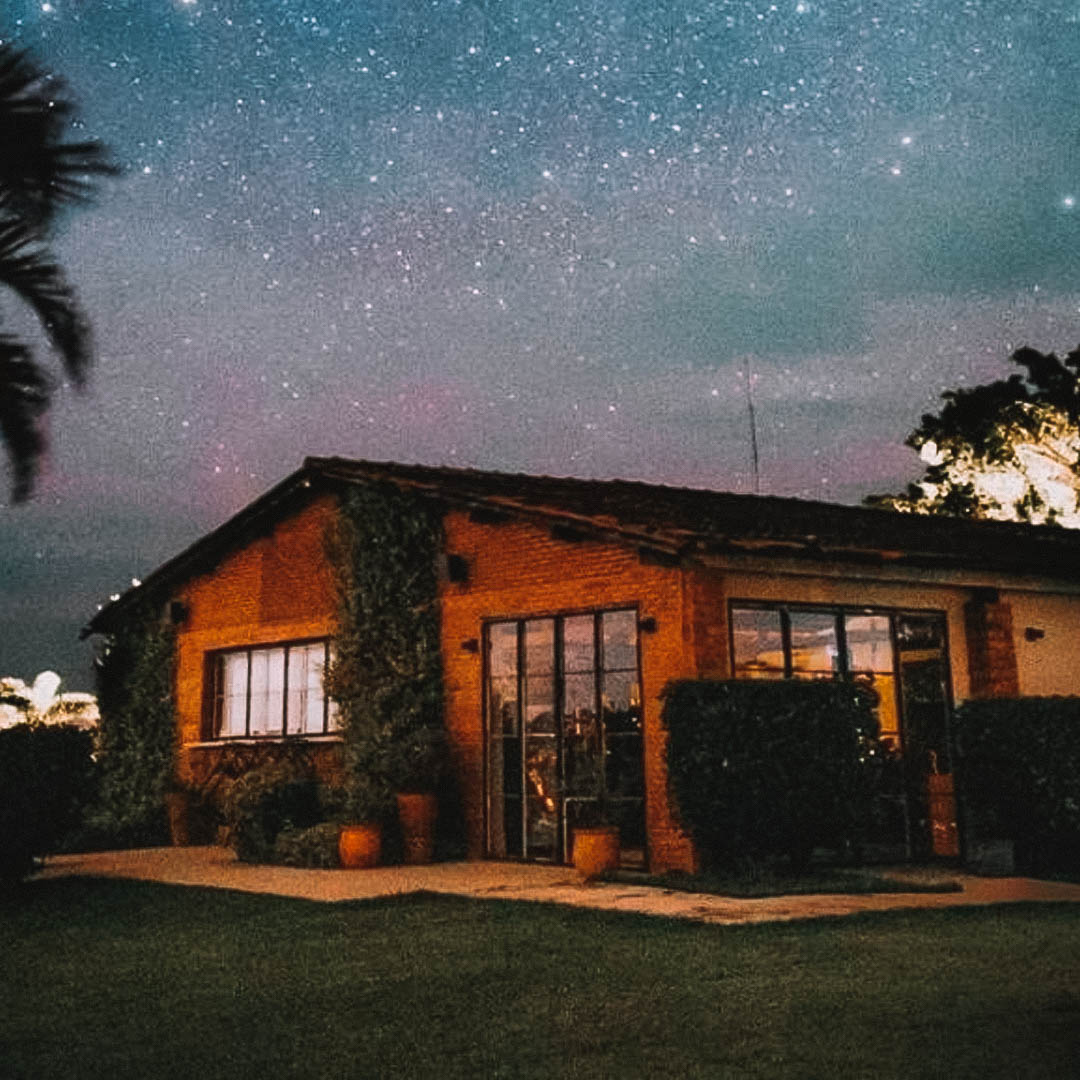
(564, 732)
(923, 668)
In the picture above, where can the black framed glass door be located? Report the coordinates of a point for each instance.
(563, 731)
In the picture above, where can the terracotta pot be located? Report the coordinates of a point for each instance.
(359, 846)
(596, 850)
(417, 813)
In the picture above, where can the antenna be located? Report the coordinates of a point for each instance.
(753, 426)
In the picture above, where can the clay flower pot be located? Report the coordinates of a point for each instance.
(359, 846)
(596, 850)
(417, 813)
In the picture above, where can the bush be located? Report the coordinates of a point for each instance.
(137, 731)
(267, 801)
(313, 847)
(1018, 767)
(47, 776)
(763, 769)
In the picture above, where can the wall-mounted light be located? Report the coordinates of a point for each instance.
(177, 612)
(457, 569)
(648, 625)
(1034, 633)
(471, 645)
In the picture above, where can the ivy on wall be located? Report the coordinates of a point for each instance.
(386, 674)
(137, 731)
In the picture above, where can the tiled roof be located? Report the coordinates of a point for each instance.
(671, 522)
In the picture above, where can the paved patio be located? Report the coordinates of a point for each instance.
(217, 867)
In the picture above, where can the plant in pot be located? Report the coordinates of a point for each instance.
(414, 765)
(360, 831)
(595, 833)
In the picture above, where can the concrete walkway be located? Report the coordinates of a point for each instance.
(217, 867)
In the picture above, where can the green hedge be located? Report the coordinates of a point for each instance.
(763, 769)
(1018, 767)
(137, 731)
(47, 776)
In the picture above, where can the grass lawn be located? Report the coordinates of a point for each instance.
(118, 979)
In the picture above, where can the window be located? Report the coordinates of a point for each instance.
(270, 691)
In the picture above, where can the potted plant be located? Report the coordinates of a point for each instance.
(595, 835)
(415, 761)
(360, 833)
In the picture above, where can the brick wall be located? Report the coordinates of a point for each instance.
(277, 588)
(518, 570)
(992, 669)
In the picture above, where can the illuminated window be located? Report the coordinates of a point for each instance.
(270, 691)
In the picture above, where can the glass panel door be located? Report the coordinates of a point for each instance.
(923, 669)
(564, 732)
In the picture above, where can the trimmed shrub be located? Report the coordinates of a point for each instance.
(1018, 767)
(763, 769)
(265, 802)
(47, 776)
(314, 847)
(137, 731)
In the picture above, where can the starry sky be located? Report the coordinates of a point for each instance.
(544, 235)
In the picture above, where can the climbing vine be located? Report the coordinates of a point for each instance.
(137, 731)
(386, 675)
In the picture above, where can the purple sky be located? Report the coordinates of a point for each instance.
(539, 236)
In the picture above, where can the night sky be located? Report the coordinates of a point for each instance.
(531, 235)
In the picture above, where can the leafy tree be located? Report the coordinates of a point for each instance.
(40, 173)
(1006, 451)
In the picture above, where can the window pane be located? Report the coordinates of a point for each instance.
(234, 674)
(813, 642)
(869, 646)
(622, 701)
(620, 640)
(579, 692)
(540, 704)
(540, 646)
(305, 712)
(759, 644)
(503, 706)
(267, 691)
(502, 648)
(578, 645)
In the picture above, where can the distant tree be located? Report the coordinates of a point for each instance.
(1006, 451)
(40, 172)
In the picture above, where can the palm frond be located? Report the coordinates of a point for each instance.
(28, 270)
(39, 171)
(24, 396)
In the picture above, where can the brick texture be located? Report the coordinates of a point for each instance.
(992, 667)
(518, 570)
(277, 588)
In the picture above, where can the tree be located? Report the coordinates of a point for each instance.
(40, 173)
(1006, 451)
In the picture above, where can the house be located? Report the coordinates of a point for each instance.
(566, 606)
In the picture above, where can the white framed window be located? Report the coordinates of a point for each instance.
(270, 691)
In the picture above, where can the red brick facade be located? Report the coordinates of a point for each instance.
(278, 588)
(992, 667)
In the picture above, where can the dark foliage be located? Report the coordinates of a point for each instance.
(137, 731)
(40, 172)
(315, 847)
(47, 776)
(766, 769)
(1019, 772)
(387, 674)
(277, 797)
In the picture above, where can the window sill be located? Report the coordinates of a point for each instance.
(261, 740)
